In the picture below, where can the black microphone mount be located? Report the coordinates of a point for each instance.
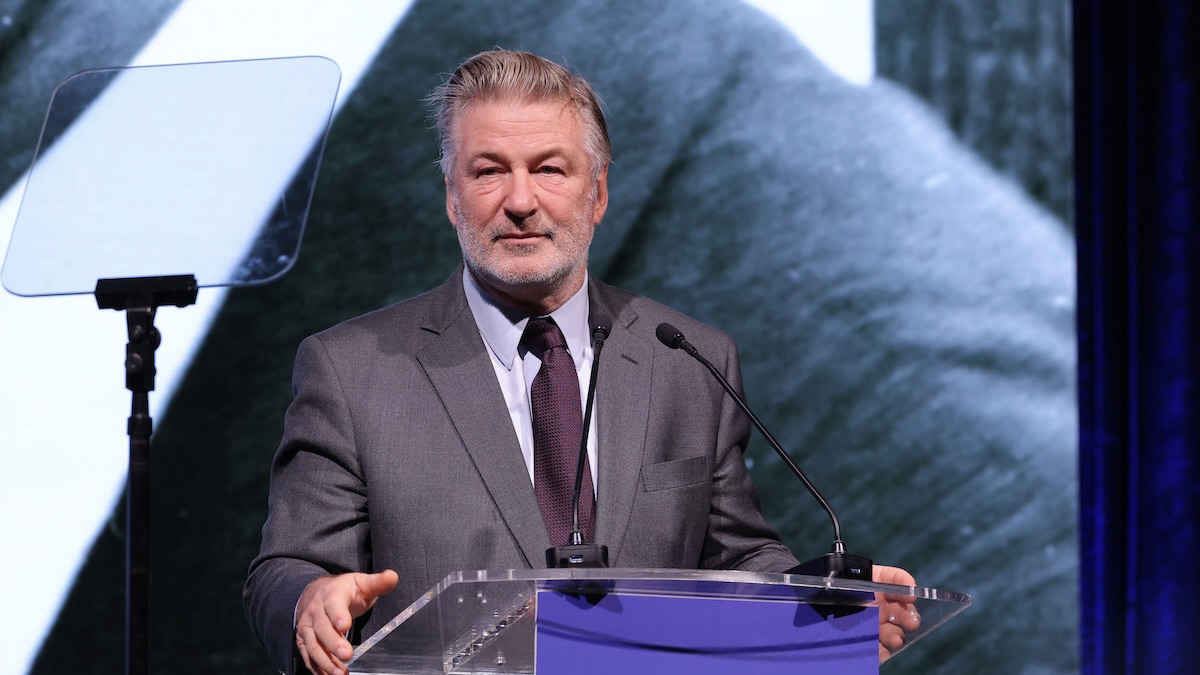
(577, 553)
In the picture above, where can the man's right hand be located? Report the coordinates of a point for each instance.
(327, 610)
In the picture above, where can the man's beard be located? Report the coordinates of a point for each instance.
(494, 262)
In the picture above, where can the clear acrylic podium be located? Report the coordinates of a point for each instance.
(635, 621)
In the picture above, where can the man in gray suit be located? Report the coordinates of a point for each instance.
(409, 450)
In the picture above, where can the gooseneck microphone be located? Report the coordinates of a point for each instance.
(577, 553)
(836, 563)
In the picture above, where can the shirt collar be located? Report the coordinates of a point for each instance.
(502, 327)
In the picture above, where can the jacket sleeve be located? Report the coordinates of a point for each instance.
(317, 520)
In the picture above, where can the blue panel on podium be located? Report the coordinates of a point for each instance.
(631, 634)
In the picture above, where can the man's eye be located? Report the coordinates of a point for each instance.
(551, 170)
(489, 171)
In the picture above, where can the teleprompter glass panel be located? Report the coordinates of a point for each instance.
(204, 168)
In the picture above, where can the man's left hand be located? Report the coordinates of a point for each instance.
(897, 613)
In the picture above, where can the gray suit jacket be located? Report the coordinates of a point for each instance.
(398, 453)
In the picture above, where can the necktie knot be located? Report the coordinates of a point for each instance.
(541, 335)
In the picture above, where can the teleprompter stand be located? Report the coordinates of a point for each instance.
(145, 172)
(140, 299)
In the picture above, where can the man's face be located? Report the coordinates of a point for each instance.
(523, 201)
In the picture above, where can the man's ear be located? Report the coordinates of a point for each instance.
(450, 203)
(601, 196)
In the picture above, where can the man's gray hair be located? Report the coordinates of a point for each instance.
(501, 75)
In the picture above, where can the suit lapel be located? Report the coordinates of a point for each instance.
(457, 364)
(622, 410)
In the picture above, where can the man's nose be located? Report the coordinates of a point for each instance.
(521, 200)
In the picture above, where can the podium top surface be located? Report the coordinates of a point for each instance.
(469, 613)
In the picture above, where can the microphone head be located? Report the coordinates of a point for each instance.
(669, 335)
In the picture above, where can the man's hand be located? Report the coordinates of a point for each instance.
(897, 613)
(326, 611)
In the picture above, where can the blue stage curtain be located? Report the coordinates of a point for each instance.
(1138, 228)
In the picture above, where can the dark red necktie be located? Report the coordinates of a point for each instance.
(557, 433)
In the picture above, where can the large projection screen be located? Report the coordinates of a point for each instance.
(875, 202)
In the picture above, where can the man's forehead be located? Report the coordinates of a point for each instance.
(537, 123)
